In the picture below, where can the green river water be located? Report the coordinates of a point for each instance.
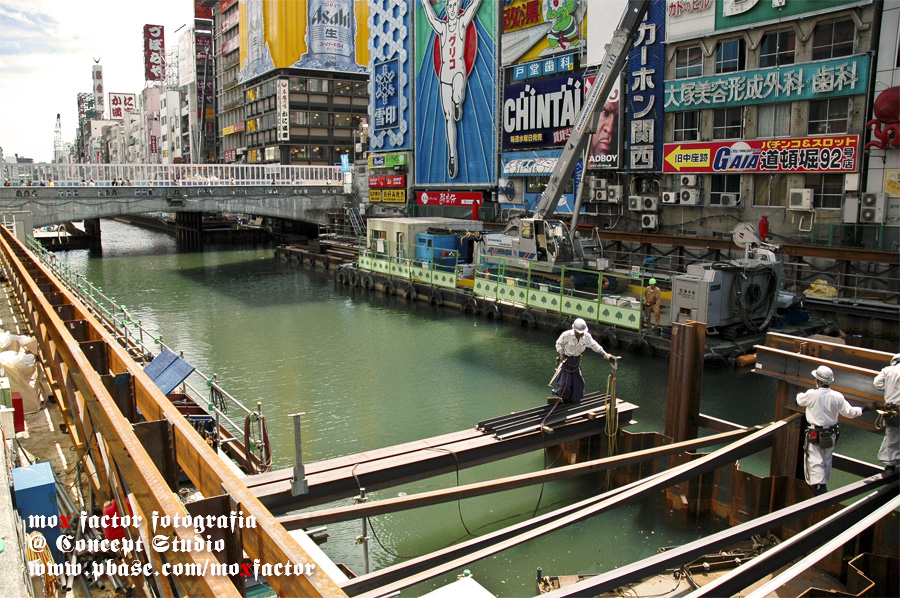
(371, 371)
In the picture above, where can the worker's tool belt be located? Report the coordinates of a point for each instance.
(889, 416)
(571, 363)
(824, 436)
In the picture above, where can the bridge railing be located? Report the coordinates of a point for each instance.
(167, 174)
(143, 345)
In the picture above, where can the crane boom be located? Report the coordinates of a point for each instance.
(586, 121)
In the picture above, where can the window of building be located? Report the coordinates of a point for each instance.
(730, 56)
(297, 84)
(319, 85)
(727, 123)
(827, 117)
(777, 49)
(833, 40)
(688, 62)
(770, 191)
(827, 189)
(687, 125)
(723, 183)
(774, 120)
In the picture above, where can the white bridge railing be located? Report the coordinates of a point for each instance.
(167, 175)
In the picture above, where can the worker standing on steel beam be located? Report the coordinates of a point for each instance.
(888, 380)
(823, 406)
(652, 303)
(570, 345)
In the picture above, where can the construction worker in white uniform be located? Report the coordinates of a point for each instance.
(888, 381)
(454, 78)
(823, 406)
(570, 345)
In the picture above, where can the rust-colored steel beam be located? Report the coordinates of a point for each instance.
(268, 541)
(856, 356)
(685, 380)
(392, 505)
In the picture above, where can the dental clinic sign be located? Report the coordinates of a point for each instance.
(809, 81)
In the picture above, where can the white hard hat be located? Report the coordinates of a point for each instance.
(579, 326)
(823, 374)
(895, 359)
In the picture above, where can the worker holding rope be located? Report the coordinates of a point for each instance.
(570, 345)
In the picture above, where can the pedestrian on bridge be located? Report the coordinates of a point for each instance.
(570, 345)
(823, 406)
(888, 381)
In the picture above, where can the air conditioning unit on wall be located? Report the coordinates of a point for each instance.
(872, 208)
(650, 203)
(635, 202)
(729, 200)
(649, 221)
(670, 197)
(599, 183)
(689, 180)
(599, 195)
(800, 199)
(615, 193)
(689, 197)
(506, 191)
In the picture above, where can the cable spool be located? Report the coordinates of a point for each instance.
(526, 319)
(389, 288)
(436, 298)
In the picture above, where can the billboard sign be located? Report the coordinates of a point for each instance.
(313, 34)
(456, 94)
(646, 76)
(283, 107)
(748, 13)
(387, 160)
(99, 92)
(381, 181)
(121, 103)
(389, 84)
(606, 143)
(541, 113)
(534, 29)
(154, 53)
(808, 81)
(466, 199)
(806, 154)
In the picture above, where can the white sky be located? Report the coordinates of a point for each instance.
(47, 49)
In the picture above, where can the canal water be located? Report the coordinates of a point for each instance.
(371, 371)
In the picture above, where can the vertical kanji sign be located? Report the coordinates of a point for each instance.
(154, 53)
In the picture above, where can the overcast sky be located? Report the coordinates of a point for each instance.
(47, 49)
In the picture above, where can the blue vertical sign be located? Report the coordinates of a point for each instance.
(645, 92)
(389, 82)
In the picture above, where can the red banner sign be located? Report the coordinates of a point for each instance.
(806, 154)
(449, 198)
(154, 53)
(380, 182)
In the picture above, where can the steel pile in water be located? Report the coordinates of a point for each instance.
(522, 422)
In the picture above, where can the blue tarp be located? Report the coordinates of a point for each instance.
(168, 370)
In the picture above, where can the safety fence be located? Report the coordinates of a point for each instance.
(600, 297)
(198, 388)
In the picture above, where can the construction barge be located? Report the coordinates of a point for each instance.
(448, 265)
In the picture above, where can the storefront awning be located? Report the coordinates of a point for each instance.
(529, 167)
